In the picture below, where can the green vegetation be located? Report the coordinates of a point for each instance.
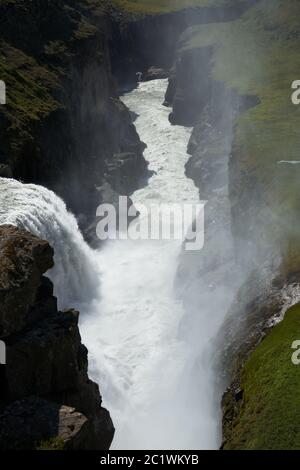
(54, 443)
(29, 86)
(270, 414)
(165, 6)
(33, 70)
(258, 55)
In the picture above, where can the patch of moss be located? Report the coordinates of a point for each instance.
(54, 443)
(85, 30)
(165, 6)
(270, 414)
(34, 68)
(29, 85)
(30, 88)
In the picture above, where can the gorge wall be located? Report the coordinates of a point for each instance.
(240, 144)
(65, 127)
(47, 400)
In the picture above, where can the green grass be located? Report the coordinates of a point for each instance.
(29, 85)
(54, 443)
(165, 6)
(270, 413)
(34, 80)
(258, 55)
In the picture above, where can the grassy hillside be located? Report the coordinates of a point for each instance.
(259, 55)
(165, 6)
(34, 60)
(270, 413)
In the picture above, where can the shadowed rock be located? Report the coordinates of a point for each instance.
(45, 356)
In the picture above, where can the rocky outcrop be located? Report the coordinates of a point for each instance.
(67, 129)
(23, 261)
(45, 389)
(141, 41)
(189, 86)
(48, 424)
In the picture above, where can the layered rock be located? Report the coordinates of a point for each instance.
(143, 39)
(67, 129)
(44, 385)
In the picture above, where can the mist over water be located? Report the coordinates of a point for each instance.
(156, 382)
(41, 212)
(145, 369)
(135, 350)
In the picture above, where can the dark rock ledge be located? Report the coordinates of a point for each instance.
(46, 396)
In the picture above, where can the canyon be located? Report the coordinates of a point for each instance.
(71, 139)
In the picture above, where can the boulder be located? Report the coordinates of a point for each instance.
(5, 171)
(24, 258)
(36, 423)
(155, 73)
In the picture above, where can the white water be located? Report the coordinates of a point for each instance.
(133, 334)
(131, 323)
(76, 272)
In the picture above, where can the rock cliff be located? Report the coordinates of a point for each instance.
(64, 125)
(46, 396)
(68, 129)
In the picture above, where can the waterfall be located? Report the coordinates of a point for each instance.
(40, 211)
(155, 382)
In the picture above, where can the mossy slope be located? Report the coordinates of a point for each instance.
(34, 61)
(258, 55)
(166, 6)
(269, 416)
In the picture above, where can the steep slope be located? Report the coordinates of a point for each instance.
(254, 60)
(266, 414)
(255, 56)
(64, 125)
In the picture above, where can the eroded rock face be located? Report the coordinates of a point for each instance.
(67, 133)
(44, 356)
(189, 86)
(36, 420)
(24, 259)
(155, 73)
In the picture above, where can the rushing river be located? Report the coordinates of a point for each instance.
(131, 314)
(133, 332)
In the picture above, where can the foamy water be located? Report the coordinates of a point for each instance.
(135, 350)
(156, 384)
